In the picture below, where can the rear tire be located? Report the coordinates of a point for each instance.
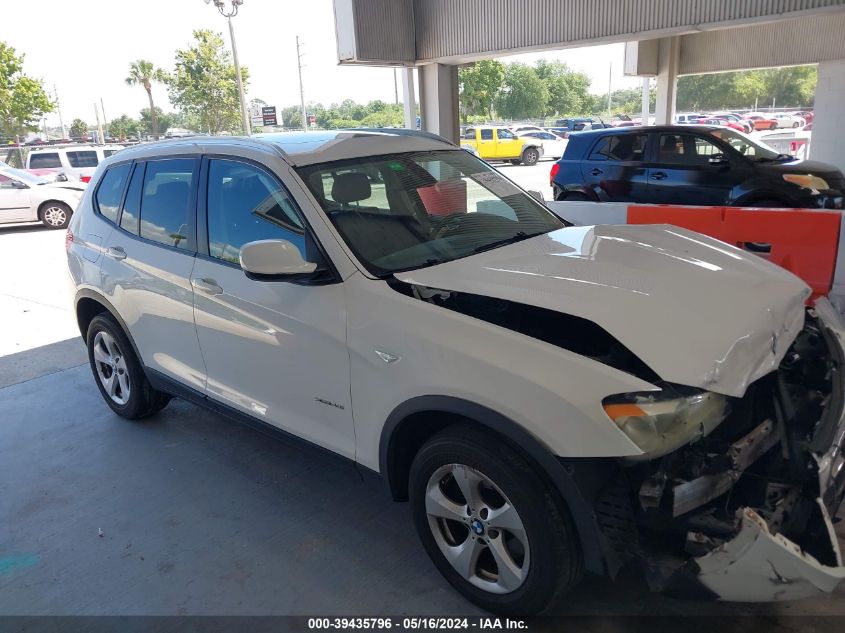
(507, 545)
(55, 214)
(118, 372)
(795, 124)
(530, 156)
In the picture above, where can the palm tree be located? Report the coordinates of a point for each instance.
(145, 73)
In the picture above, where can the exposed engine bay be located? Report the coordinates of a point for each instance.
(760, 472)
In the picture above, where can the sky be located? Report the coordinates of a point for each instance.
(84, 50)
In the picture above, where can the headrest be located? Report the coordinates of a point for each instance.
(351, 187)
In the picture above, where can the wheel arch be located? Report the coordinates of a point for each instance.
(49, 201)
(88, 304)
(413, 422)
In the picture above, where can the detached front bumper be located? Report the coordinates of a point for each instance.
(760, 566)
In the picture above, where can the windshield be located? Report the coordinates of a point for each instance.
(406, 211)
(747, 146)
(25, 176)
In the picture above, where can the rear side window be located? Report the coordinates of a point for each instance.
(166, 213)
(245, 204)
(44, 160)
(470, 134)
(82, 159)
(108, 152)
(130, 218)
(622, 147)
(110, 191)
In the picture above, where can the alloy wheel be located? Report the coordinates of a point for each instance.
(111, 368)
(477, 528)
(55, 216)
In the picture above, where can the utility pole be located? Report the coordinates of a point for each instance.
(102, 138)
(395, 88)
(301, 92)
(232, 12)
(609, 83)
(105, 119)
(59, 110)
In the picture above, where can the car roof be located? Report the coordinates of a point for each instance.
(303, 148)
(639, 129)
(60, 148)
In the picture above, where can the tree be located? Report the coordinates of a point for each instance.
(479, 84)
(146, 122)
(292, 116)
(793, 86)
(569, 91)
(122, 128)
(23, 100)
(78, 128)
(523, 95)
(144, 73)
(204, 83)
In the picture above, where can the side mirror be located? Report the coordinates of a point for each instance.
(16, 184)
(274, 257)
(537, 195)
(718, 159)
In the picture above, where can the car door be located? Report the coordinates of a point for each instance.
(507, 144)
(486, 143)
(683, 174)
(274, 348)
(148, 259)
(15, 204)
(615, 168)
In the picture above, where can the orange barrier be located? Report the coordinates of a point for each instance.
(803, 241)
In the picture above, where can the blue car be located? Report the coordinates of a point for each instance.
(690, 165)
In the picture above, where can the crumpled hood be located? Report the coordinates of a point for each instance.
(697, 311)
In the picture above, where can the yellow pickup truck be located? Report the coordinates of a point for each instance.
(500, 143)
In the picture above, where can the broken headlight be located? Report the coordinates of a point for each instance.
(662, 421)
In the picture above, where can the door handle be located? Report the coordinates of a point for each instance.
(116, 252)
(208, 286)
(659, 175)
(597, 171)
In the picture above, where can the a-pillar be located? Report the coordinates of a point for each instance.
(439, 100)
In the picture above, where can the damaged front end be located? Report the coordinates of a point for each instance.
(745, 511)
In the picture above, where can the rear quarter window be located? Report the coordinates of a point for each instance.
(110, 191)
(44, 160)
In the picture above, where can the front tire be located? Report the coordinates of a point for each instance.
(55, 215)
(491, 525)
(118, 372)
(530, 156)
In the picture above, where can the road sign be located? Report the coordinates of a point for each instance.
(255, 116)
(268, 115)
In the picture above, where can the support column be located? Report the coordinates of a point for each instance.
(439, 100)
(409, 99)
(828, 137)
(668, 57)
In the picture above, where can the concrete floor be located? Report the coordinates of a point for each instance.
(202, 516)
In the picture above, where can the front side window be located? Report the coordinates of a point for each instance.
(621, 147)
(505, 135)
(166, 213)
(748, 147)
(82, 159)
(110, 190)
(418, 209)
(246, 204)
(44, 160)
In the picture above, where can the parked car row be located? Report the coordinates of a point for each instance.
(748, 122)
(690, 165)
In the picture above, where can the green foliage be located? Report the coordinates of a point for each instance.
(165, 121)
(524, 95)
(292, 116)
(788, 87)
(479, 84)
(144, 73)
(23, 100)
(569, 91)
(122, 128)
(204, 84)
(78, 128)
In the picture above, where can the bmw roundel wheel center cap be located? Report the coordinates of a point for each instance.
(477, 527)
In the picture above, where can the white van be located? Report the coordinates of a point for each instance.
(78, 162)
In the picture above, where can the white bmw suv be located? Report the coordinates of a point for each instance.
(551, 399)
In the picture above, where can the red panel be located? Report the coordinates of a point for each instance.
(804, 241)
(445, 198)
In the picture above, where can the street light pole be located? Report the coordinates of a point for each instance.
(301, 92)
(221, 6)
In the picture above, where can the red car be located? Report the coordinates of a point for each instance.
(807, 115)
(720, 121)
(762, 122)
